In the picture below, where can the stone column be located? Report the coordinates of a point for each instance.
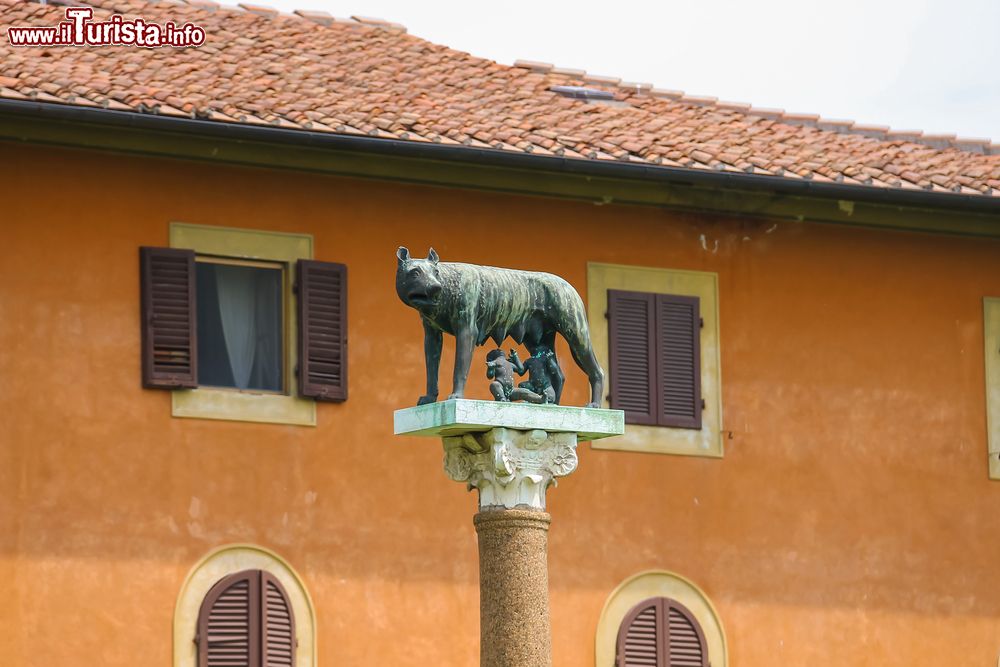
(512, 469)
(510, 453)
(513, 588)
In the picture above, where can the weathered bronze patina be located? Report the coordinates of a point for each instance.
(501, 370)
(476, 303)
(542, 369)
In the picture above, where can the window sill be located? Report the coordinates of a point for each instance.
(665, 440)
(208, 403)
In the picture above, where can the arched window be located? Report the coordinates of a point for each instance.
(660, 632)
(246, 620)
(655, 610)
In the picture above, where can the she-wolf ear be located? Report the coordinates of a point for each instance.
(433, 256)
(402, 254)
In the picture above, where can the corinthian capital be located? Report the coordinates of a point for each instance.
(511, 468)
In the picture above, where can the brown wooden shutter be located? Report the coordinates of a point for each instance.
(640, 639)
(229, 622)
(278, 628)
(632, 346)
(686, 643)
(660, 632)
(168, 312)
(678, 361)
(322, 309)
(246, 620)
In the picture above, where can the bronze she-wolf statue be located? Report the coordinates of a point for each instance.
(475, 303)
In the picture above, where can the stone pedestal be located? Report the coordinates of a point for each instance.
(511, 453)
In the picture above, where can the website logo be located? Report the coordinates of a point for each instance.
(79, 29)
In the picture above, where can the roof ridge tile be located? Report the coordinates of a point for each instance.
(533, 65)
(700, 100)
(261, 10)
(666, 93)
(317, 16)
(600, 79)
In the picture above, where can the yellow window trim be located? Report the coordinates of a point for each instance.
(704, 285)
(991, 335)
(652, 584)
(253, 246)
(227, 560)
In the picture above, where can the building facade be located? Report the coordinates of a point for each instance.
(833, 504)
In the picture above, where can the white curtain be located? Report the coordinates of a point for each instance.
(267, 366)
(237, 308)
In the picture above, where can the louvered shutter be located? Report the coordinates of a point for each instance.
(632, 343)
(228, 624)
(640, 641)
(686, 643)
(246, 620)
(168, 312)
(660, 632)
(678, 361)
(322, 319)
(278, 629)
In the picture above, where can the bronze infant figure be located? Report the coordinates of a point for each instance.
(500, 370)
(541, 368)
(476, 303)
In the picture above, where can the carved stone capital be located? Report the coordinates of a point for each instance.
(511, 468)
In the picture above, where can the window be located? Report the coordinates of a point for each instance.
(655, 358)
(246, 620)
(240, 324)
(660, 632)
(262, 602)
(656, 332)
(243, 325)
(659, 619)
(991, 322)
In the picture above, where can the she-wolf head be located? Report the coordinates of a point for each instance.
(418, 282)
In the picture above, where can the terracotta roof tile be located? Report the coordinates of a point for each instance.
(365, 76)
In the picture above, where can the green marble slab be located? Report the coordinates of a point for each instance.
(459, 416)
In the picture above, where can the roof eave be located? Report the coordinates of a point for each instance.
(602, 181)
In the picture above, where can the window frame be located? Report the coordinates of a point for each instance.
(659, 584)
(706, 441)
(991, 340)
(232, 404)
(230, 559)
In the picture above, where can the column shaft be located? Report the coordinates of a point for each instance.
(513, 588)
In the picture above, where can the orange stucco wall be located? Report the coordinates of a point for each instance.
(851, 521)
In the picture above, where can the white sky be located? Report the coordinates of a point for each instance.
(932, 65)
